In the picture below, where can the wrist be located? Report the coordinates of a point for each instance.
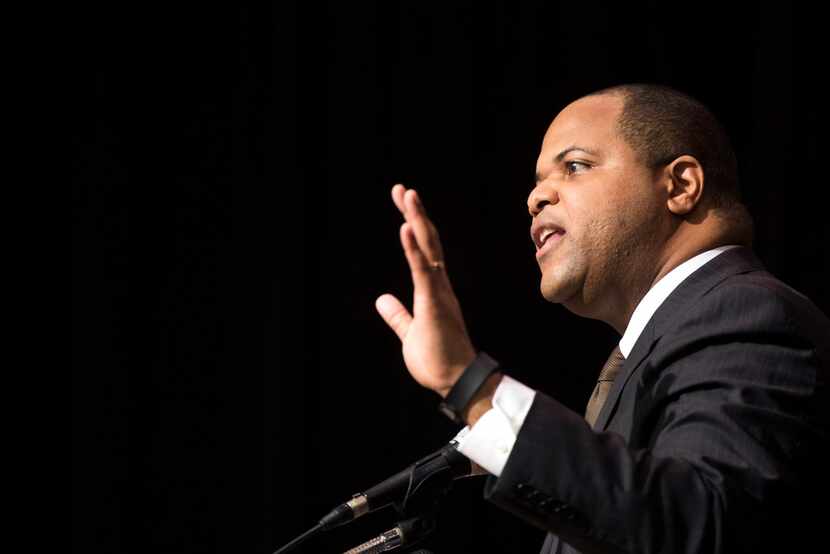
(469, 389)
(483, 400)
(458, 371)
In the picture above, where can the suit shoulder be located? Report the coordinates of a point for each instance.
(752, 307)
(761, 298)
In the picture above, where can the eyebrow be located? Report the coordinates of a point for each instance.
(564, 152)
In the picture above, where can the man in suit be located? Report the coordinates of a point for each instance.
(708, 429)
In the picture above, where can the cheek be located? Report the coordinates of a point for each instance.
(593, 222)
(603, 214)
(608, 231)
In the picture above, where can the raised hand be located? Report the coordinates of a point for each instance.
(435, 344)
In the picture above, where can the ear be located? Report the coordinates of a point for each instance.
(684, 183)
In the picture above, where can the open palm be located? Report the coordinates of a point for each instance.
(435, 343)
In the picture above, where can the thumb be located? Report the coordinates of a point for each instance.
(394, 314)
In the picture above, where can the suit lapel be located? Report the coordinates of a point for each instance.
(641, 349)
(731, 262)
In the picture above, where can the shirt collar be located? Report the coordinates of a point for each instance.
(659, 292)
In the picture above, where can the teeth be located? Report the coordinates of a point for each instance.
(544, 236)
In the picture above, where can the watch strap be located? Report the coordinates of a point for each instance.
(471, 380)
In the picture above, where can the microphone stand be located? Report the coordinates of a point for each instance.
(405, 533)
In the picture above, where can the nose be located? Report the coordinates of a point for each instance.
(541, 195)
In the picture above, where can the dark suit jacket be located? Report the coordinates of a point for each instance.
(713, 438)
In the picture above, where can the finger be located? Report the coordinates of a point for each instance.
(394, 314)
(424, 275)
(425, 232)
(397, 197)
(417, 261)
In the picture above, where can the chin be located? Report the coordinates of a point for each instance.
(556, 292)
(560, 281)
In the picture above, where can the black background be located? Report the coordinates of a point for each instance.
(232, 227)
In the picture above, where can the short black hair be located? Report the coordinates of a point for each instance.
(661, 123)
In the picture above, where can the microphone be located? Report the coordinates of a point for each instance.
(423, 481)
(435, 470)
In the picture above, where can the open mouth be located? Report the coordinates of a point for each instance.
(548, 239)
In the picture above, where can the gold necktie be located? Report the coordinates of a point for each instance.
(604, 383)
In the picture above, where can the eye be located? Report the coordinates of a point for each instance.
(570, 164)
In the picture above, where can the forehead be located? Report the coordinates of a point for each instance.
(588, 122)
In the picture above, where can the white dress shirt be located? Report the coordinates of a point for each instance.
(489, 442)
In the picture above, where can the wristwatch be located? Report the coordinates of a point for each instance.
(467, 386)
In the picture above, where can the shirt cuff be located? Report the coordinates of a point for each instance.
(489, 442)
